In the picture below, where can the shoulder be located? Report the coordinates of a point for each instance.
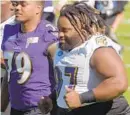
(48, 25)
(50, 31)
(99, 40)
(101, 47)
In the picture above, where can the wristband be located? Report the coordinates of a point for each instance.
(87, 97)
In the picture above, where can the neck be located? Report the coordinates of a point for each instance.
(76, 45)
(30, 25)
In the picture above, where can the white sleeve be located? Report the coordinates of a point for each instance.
(99, 41)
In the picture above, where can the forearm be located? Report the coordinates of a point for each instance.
(109, 89)
(117, 21)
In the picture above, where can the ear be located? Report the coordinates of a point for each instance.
(39, 9)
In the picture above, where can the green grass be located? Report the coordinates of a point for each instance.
(125, 40)
(126, 56)
(123, 33)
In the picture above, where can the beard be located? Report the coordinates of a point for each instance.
(65, 46)
(69, 45)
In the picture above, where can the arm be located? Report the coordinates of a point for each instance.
(110, 66)
(51, 51)
(50, 104)
(120, 14)
(117, 21)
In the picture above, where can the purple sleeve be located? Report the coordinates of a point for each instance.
(50, 36)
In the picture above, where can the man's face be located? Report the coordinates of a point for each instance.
(25, 10)
(68, 36)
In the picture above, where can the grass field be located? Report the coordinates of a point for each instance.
(123, 33)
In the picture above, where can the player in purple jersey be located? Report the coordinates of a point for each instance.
(25, 50)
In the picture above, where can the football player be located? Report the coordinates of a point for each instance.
(29, 77)
(90, 74)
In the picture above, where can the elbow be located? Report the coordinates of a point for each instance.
(122, 86)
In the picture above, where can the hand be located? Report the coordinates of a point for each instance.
(45, 105)
(72, 98)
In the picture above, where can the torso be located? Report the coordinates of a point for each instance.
(29, 69)
(73, 68)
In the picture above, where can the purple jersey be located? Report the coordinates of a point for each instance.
(28, 66)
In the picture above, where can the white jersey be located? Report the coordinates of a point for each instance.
(11, 20)
(73, 69)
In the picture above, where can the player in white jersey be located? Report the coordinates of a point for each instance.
(90, 74)
(7, 16)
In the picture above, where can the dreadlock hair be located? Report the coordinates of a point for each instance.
(89, 17)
